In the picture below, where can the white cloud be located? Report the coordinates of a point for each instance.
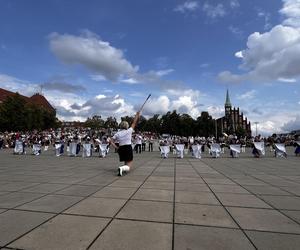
(248, 95)
(164, 72)
(234, 4)
(97, 78)
(93, 53)
(216, 111)
(159, 105)
(291, 9)
(239, 54)
(130, 81)
(277, 49)
(236, 31)
(17, 85)
(291, 80)
(204, 65)
(293, 124)
(214, 11)
(188, 6)
(267, 17)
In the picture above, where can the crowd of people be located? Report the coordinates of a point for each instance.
(73, 140)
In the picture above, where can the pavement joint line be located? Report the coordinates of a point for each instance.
(174, 199)
(93, 241)
(223, 205)
(54, 215)
(257, 196)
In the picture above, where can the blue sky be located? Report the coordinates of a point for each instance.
(104, 57)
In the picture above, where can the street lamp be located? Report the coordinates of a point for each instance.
(256, 127)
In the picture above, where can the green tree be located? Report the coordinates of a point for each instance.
(96, 122)
(13, 114)
(111, 122)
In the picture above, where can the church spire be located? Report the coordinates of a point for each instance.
(227, 102)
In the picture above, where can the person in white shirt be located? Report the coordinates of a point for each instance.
(125, 149)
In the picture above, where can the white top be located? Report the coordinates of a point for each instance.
(124, 136)
(138, 139)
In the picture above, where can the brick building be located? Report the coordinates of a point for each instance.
(233, 120)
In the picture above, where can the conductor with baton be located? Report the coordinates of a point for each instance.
(124, 138)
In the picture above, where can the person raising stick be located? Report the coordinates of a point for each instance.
(124, 138)
(125, 149)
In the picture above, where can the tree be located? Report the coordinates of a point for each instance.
(17, 115)
(111, 123)
(240, 132)
(96, 122)
(13, 113)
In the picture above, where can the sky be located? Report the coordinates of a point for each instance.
(105, 57)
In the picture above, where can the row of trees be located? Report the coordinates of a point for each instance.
(169, 123)
(18, 115)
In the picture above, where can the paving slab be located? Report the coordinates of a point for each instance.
(267, 190)
(51, 203)
(45, 188)
(193, 187)
(126, 183)
(203, 215)
(63, 232)
(158, 185)
(92, 206)
(209, 238)
(123, 234)
(274, 241)
(16, 186)
(154, 195)
(204, 198)
(224, 181)
(263, 220)
(147, 210)
(115, 192)
(283, 202)
(221, 188)
(13, 224)
(293, 214)
(78, 190)
(241, 200)
(189, 179)
(11, 200)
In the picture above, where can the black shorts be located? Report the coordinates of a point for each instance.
(125, 153)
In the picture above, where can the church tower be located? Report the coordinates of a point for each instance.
(227, 105)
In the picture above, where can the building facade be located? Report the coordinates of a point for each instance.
(233, 122)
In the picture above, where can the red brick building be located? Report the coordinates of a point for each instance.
(37, 99)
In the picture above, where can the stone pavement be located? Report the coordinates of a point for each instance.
(49, 202)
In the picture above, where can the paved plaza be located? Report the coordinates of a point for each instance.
(49, 202)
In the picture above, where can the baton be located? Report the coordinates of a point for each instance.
(145, 103)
